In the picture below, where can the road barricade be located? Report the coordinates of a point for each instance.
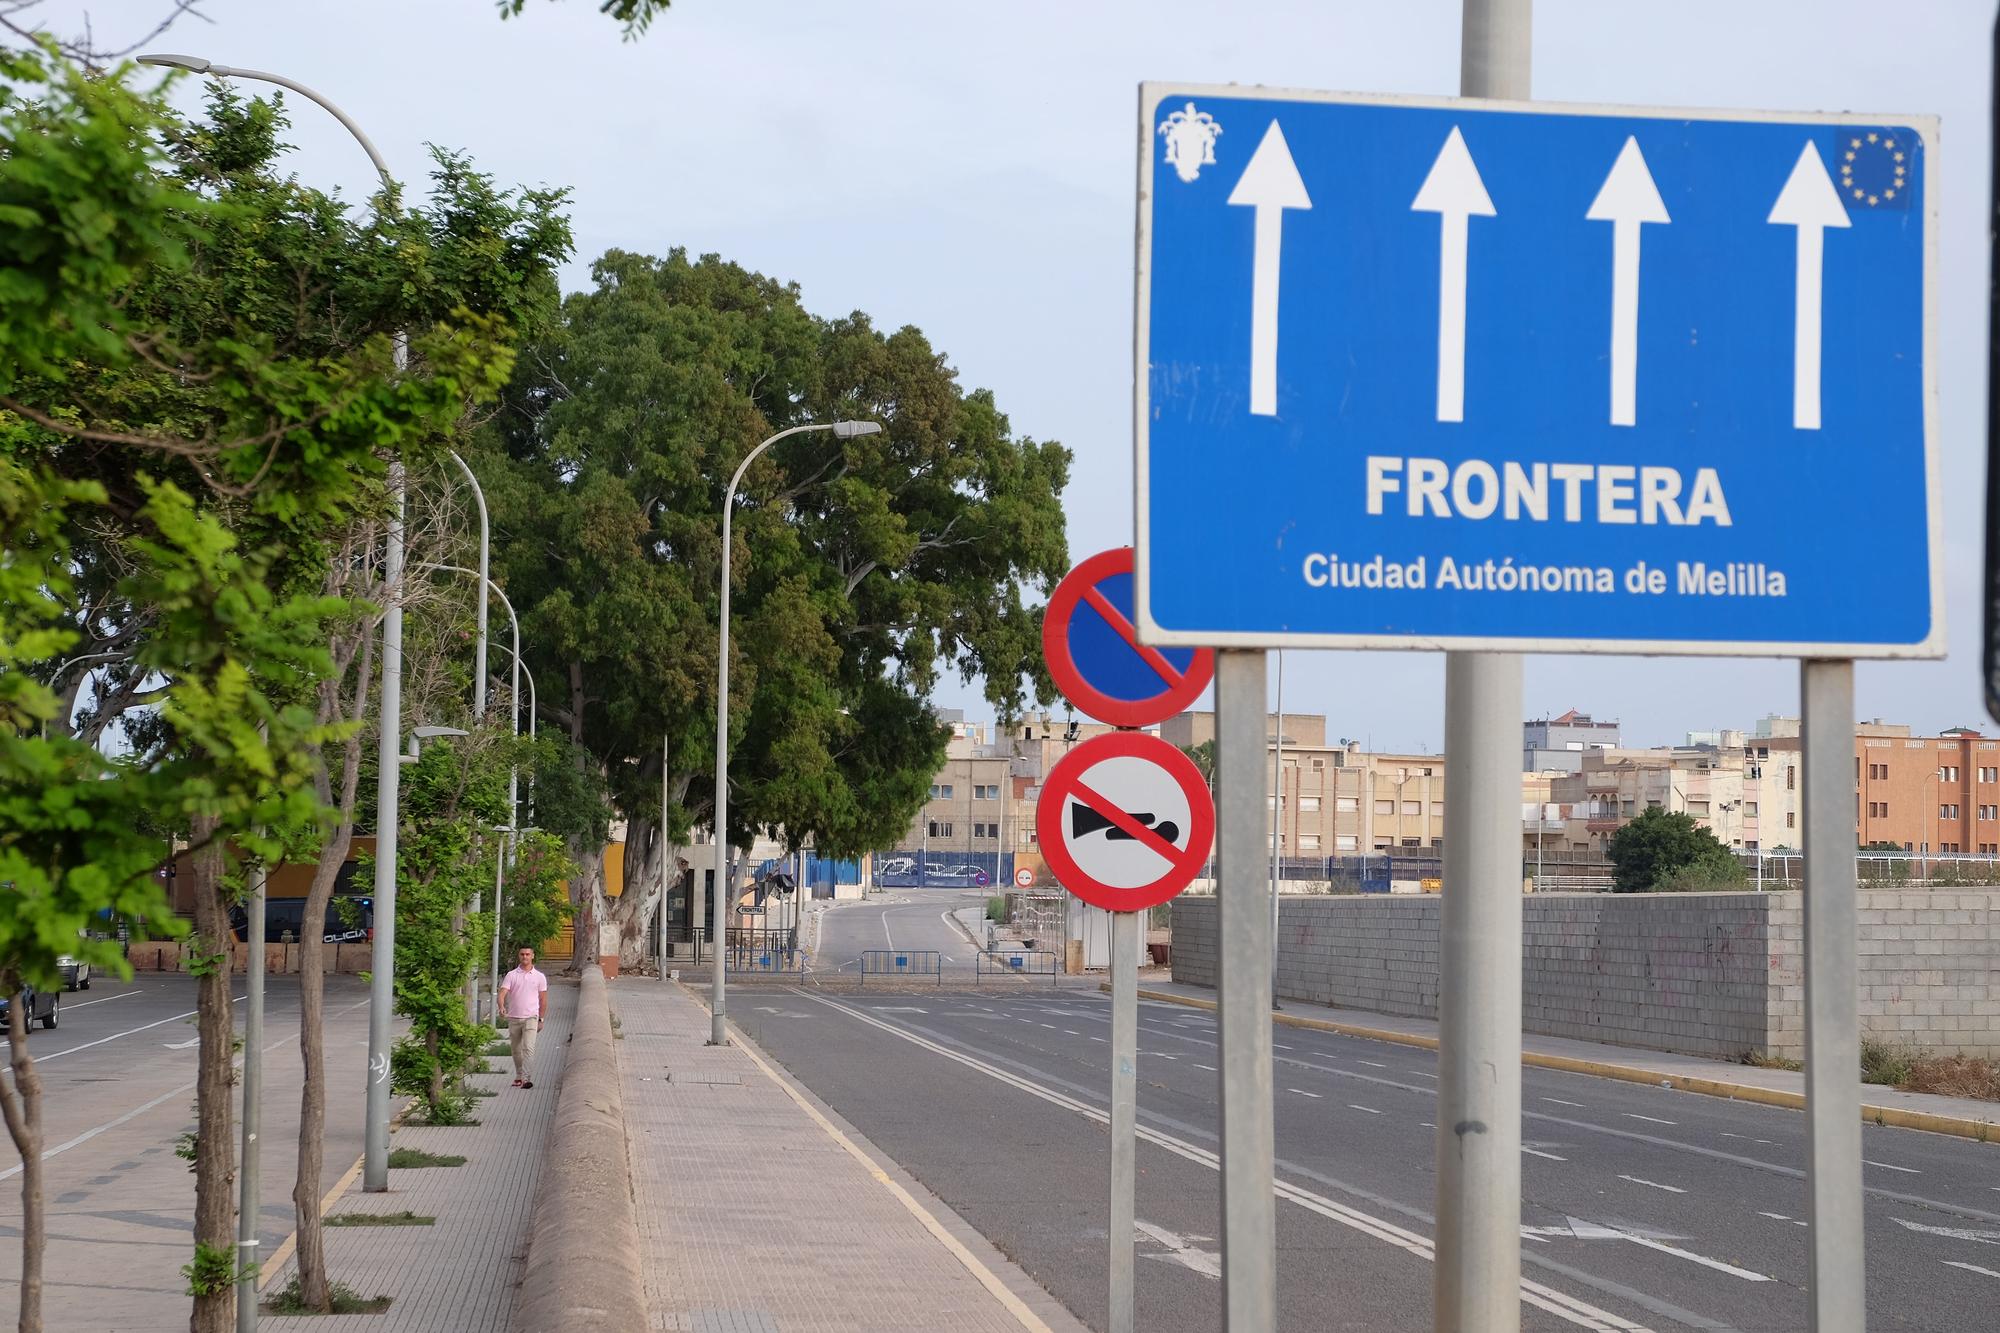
(1015, 963)
(902, 963)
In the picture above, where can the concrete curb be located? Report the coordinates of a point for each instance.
(1984, 1131)
(583, 1258)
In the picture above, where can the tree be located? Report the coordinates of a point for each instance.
(537, 895)
(1661, 850)
(864, 568)
(213, 375)
(635, 16)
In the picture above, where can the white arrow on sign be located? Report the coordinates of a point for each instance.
(1810, 203)
(1270, 184)
(1454, 192)
(1627, 200)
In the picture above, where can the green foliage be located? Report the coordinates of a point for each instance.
(537, 903)
(408, 1158)
(1882, 1062)
(996, 908)
(289, 1300)
(1203, 756)
(1662, 851)
(635, 16)
(214, 1270)
(863, 569)
(405, 1218)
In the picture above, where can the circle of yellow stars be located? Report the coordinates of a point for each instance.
(1847, 168)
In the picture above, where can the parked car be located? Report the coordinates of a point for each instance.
(349, 920)
(75, 972)
(896, 865)
(45, 1005)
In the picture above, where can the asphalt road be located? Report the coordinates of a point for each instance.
(118, 1092)
(905, 920)
(1642, 1207)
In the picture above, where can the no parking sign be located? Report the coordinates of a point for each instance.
(1095, 655)
(1125, 821)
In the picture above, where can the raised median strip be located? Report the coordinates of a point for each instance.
(583, 1257)
(1967, 1127)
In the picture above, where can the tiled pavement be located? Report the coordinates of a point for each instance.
(755, 1218)
(459, 1275)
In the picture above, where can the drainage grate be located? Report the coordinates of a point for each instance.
(708, 1080)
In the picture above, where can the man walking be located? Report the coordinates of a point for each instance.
(524, 998)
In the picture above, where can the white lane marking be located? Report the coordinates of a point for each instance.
(1970, 1268)
(1634, 1115)
(1654, 1184)
(1209, 1068)
(1577, 1229)
(1906, 1170)
(1426, 1124)
(1163, 1055)
(138, 1111)
(129, 1032)
(885, 929)
(1105, 1040)
(1780, 1217)
(899, 1009)
(1536, 1294)
(1537, 1152)
(1375, 1063)
(1181, 1250)
(1421, 1074)
(1073, 1032)
(181, 1045)
(1050, 1026)
(1303, 1093)
(1369, 1109)
(1701, 1259)
(1950, 1233)
(1560, 1102)
(85, 1004)
(1279, 1045)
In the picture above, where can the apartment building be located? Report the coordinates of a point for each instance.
(1558, 744)
(1924, 794)
(1335, 798)
(1612, 787)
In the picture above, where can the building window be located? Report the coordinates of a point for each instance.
(1989, 812)
(1791, 819)
(985, 791)
(1345, 805)
(986, 831)
(1750, 809)
(1318, 764)
(940, 791)
(1308, 842)
(1345, 842)
(1413, 842)
(1308, 805)
(940, 828)
(1413, 807)
(1385, 807)
(1791, 777)
(1625, 807)
(1699, 808)
(1383, 844)
(1949, 773)
(1948, 811)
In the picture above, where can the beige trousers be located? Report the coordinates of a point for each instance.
(521, 1036)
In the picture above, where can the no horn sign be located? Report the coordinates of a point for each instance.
(1125, 821)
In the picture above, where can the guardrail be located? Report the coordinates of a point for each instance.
(902, 963)
(1014, 963)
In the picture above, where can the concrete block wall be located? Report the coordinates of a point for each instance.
(1717, 974)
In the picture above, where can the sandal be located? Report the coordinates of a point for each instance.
(529, 1083)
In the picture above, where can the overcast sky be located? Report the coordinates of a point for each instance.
(968, 168)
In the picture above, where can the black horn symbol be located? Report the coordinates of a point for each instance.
(1084, 820)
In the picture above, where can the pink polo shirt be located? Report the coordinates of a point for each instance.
(521, 992)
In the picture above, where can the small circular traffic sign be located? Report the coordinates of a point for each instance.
(1125, 821)
(1024, 878)
(1095, 656)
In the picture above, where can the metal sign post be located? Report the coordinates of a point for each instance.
(1837, 1284)
(1243, 989)
(1125, 938)
(1476, 1281)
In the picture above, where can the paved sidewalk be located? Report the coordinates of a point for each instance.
(1626, 1062)
(760, 1213)
(461, 1273)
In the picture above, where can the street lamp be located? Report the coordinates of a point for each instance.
(479, 643)
(375, 1174)
(842, 430)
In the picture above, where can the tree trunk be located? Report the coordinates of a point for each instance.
(436, 1092)
(588, 897)
(22, 1106)
(314, 1290)
(215, 1147)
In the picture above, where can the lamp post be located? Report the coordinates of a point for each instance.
(382, 991)
(842, 430)
(513, 816)
(479, 642)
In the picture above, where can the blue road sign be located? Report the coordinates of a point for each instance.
(1443, 373)
(1096, 658)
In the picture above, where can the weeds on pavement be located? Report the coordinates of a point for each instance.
(345, 1300)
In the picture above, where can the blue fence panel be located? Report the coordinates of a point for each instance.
(1014, 963)
(914, 868)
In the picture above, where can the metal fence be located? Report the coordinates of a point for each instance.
(1014, 963)
(902, 963)
(772, 957)
(739, 939)
(917, 868)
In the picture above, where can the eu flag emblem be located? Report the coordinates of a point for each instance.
(1875, 168)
